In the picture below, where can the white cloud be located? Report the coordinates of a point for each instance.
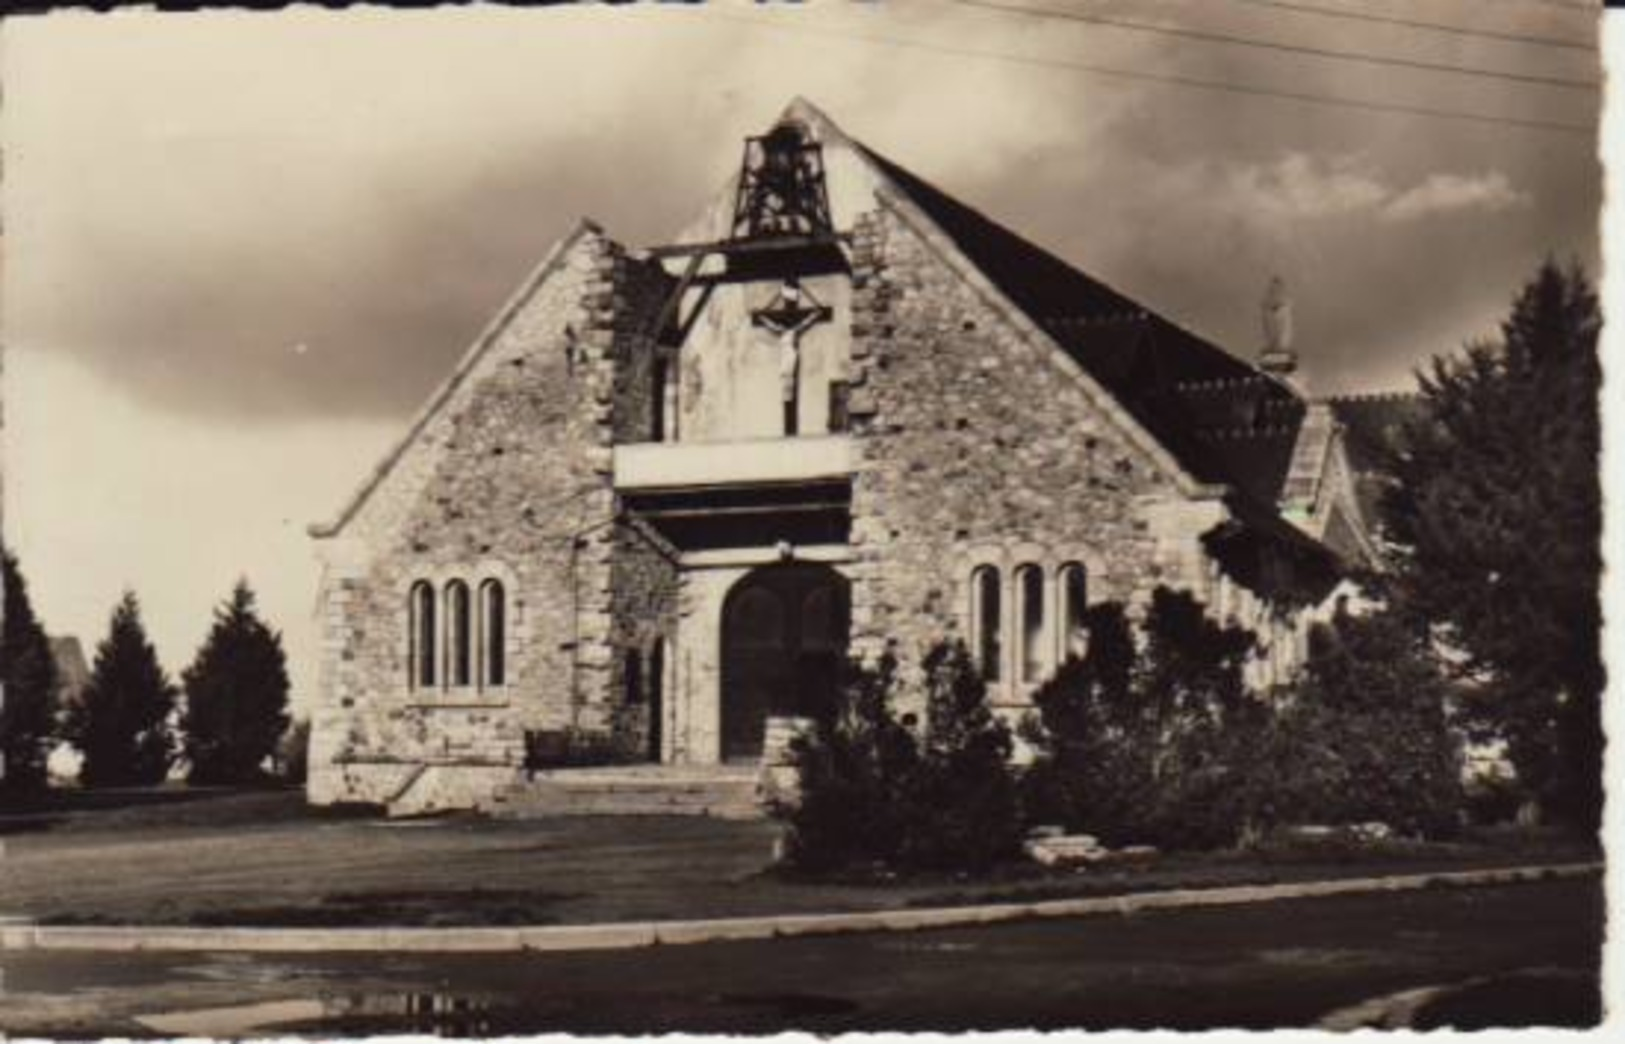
(1300, 186)
(1442, 193)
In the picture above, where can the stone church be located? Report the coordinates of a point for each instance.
(669, 488)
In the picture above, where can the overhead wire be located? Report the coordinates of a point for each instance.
(1166, 79)
(1416, 23)
(1237, 40)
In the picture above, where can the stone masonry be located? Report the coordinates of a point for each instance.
(982, 447)
(972, 440)
(505, 476)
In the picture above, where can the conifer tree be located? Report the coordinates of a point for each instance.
(236, 696)
(122, 723)
(28, 672)
(1497, 516)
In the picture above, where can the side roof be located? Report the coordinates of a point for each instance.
(1372, 423)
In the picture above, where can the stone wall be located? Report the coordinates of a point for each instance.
(505, 476)
(730, 387)
(980, 446)
(645, 589)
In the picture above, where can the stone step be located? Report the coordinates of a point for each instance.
(720, 791)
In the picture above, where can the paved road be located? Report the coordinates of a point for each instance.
(1521, 954)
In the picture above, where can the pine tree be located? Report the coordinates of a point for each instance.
(121, 725)
(28, 672)
(236, 696)
(1497, 514)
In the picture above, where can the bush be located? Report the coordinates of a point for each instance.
(960, 809)
(1088, 772)
(1153, 746)
(853, 772)
(873, 792)
(1167, 746)
(1370, 713)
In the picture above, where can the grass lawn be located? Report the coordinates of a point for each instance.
(222, 857)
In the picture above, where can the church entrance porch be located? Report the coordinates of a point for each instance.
(763, 603)
(784, 635)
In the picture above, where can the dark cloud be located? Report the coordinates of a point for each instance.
(261, 277)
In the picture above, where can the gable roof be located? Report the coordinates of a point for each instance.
(1372, 424)
(1371, 430)
(1223, 420)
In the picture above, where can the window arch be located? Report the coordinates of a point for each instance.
(459, 636)
(985, 621)
(493, 635)
(1030, 629)
(1072, 584)
(422, 633)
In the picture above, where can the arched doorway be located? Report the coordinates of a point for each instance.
(784, 635)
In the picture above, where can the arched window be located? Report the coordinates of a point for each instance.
(1030, 607)
(632, 676)
(985, 623)
(459, 636)
(421, 628)
(1073, 586)
(493, 635)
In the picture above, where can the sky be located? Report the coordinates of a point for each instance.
(242, 248)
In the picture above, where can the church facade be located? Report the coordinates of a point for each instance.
(670, 488)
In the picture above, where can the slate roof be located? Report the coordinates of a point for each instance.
(1223, 419)
(1371, 425)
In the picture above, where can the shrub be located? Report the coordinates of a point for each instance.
(873, 792)
(1149, 746)
(1088, 772)
(853, 772)
(1366, 735)
(960, 809)
(1167, 745)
